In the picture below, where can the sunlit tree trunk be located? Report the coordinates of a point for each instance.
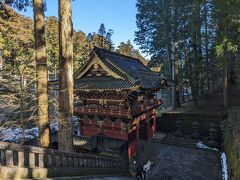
(65, 75)
(42, 74)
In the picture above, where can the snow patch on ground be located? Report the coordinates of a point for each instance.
(203, 146)
(223, 159)
(14, 134)
(10, 134)
(224, 166)
(54, 126)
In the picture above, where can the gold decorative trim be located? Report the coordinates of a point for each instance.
(133, 88)
(94, 62)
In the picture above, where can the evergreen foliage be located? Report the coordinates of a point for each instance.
(127, 49)
(191, 39)
(17, 74)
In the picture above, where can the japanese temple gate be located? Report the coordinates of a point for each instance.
(115, 97)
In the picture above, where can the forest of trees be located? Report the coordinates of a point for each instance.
(29, 57)
(16, 33)
(17, 43)
(194, 42)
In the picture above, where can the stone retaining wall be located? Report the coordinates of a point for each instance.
(189, 122)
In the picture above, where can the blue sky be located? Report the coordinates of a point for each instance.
(119, 15)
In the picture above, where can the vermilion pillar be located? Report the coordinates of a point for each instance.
(154, 121)
(137, 134)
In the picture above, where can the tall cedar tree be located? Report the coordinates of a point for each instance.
(52, 46)
(202, 37)
(42, 74)
(18, 71)
(65, 75)
(174, 59)
(102, 33)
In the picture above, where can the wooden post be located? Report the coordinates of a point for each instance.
(65, 75)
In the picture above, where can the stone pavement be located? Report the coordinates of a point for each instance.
(175, 163)
(94, 178)
(113, 178)
(180, 163)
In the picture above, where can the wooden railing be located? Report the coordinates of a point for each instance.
(143, 108)
(16, 156)
(103, 111)
(118, 112)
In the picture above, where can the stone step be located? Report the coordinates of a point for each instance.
(159, 137)
(180, 141)
(97, 177)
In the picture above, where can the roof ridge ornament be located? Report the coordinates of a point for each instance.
(117, 54)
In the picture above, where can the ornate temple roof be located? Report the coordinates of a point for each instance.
(108, 70)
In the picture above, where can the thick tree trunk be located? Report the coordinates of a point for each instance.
(177, 89)
(175, 59)
(206, 45)
(42, 74)
(65, 75)
(225, 82)
(200, 56)
(173, 76)
(196, 38)
(189, 74)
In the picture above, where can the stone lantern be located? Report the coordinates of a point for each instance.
(212, 137)
(195, 130)
(179, 128)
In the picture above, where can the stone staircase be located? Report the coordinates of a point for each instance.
(159, 137)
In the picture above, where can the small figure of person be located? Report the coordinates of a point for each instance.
(146, 168)
(144, 173)
(139, 172)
